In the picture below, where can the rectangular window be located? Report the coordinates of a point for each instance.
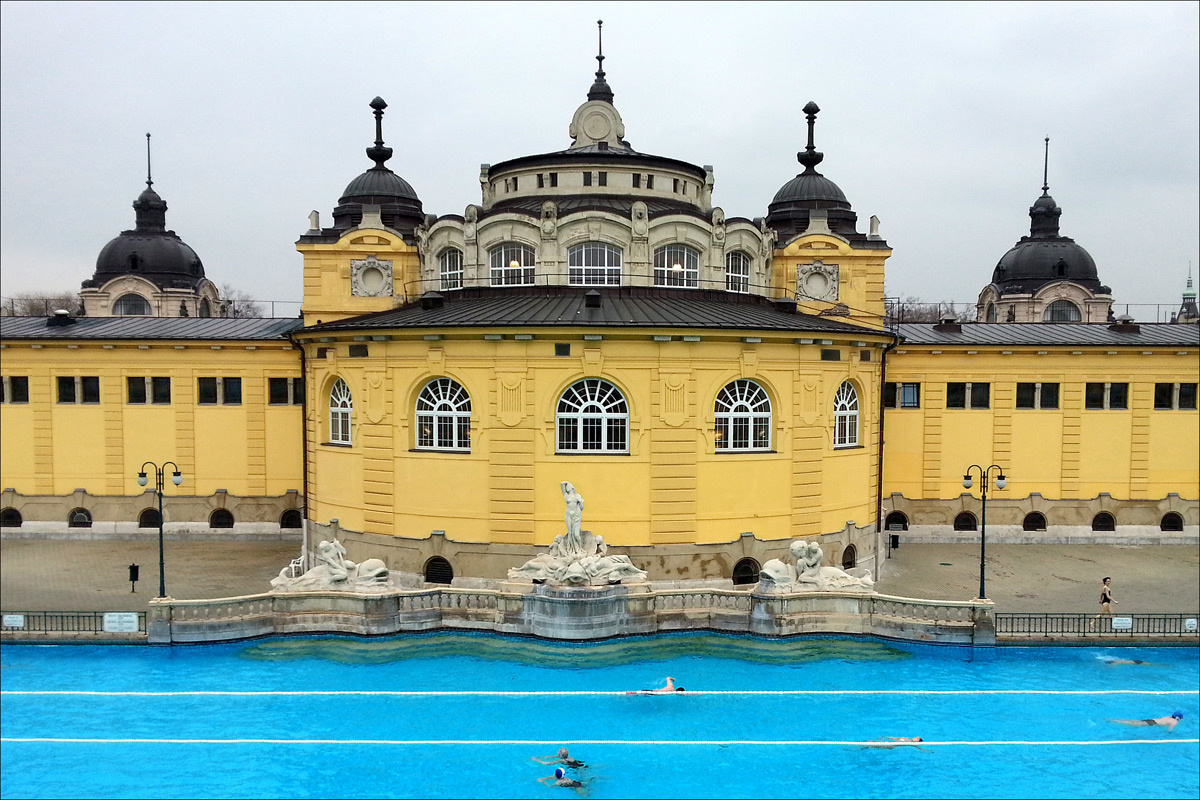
(675, 185)
(541, 180)
(956, 395)
(968, 395)
(1026, 395)
(637, 180)
(829, 354)
(553, 179)
(603, 178)
(206, 391)
(864, 355)
(66, 390)
(1049, 395)
(232, 391)
(1118, 395)
(91, 389)
(136, 390)
(323, 352)
(358, 351)
(587, 179)
(980, 395)
(1164, 395)
(160, 391)
(1106, 395)
(1093, 395)
(1169, 396)
(649, 181)
(277, 391)
(562, 348)
(901, 395)
(515, 182)
(1187, 396)
(1037, 395)
(14, 389)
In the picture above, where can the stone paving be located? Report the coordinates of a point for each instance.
(92, 575)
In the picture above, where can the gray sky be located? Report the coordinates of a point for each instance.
(933, 116)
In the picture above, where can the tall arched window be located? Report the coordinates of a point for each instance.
(845, 416)
(593, 417)
(594, 264)
(677, 265)
(443, 416)
(1061, 311)
(340, 407)
(990, 314)
(512, 264)
(205, 308)
(737, 272)
(450, 268)
(743, 416)
(132, 305)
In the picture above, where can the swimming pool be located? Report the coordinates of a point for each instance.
(460, 715)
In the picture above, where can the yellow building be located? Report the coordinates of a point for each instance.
(713, 385)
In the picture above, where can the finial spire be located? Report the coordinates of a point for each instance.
(600, 89)
(149, 182)
(810, 157)
(1046, 168)
(379, 153)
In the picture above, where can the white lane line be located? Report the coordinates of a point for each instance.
(576, 742)
(806, 692)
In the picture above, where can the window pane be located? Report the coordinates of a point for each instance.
(593, 433)
(91, 389)
(277, 391)
(980, 395)
(956, 395)
(66, 390)
(161, 389)
(1025, 393)
(722, 433)
(19, 389)
(910, 395)
(464, 432)
(566, 434)
(1093, 395)
(206, 391)
(1118, 395)
(233, 391)
(297, 391)
(616, 435)
(1163, 395)
(1049, 395)
(1187, 395)
(889, 395)
(137, 389)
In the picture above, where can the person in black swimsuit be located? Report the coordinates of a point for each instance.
(1164, 722)
(563, 757)
(1106, 601)
(559, 778)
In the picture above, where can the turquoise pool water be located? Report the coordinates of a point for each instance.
(457, 715)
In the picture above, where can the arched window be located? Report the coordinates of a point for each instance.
(10, 518)
(850, 557)
(677, 265)
(845, 416)
(291, 519)
(131, 305)
(1061, 311)
(745, 572)
(990, 312)
(737, 272)
(205, 307)
(79, 518)
(340, 407)
(148, 518)
(438, 570)
(965, 522)
(594, 264)
(512, 264)
(1170, 522)
(443, 416)
(221, 518)
(743, 416)
(450, 268)
(1104, 522)
(593, 417)
(1034, 521)
(896, 521)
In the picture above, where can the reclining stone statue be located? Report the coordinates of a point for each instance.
(577, 557)
(808, 574)
(334, 571)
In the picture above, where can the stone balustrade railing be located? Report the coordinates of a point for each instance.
(571, 614)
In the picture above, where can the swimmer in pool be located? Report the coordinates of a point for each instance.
(909, 741)
(670, 688)
(559, 778)
(563, 757)
(1112, 661)
(1160, 722)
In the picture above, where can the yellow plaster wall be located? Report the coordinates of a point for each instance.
(327, 284)
(860, 276)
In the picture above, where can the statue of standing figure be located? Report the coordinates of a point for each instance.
(574, 518)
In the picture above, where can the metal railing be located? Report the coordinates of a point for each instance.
(1089, 626)
(72, 622)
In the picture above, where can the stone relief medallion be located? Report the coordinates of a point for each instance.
(817, 281)
(597, 126)
(370, 277)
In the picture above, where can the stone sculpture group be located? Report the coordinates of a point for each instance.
(577, 557)
(809, 574)
(334, 571)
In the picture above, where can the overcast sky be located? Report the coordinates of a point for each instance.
(933, 118)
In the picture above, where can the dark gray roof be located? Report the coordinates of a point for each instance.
(621, 205)
(208, 328)
(621, 307)
(1052, 334)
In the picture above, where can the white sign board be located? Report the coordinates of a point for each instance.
(1189, 625)
(18, 620)
(120, 622)
(1122, 623)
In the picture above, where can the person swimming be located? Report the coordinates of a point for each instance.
(559, 778)
(911, 741)
(563, 757)
(1165, 722)
(670, 688)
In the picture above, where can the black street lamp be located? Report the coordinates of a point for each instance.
(176, 478)
(1001, 482)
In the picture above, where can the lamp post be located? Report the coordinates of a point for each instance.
(1001, 482)
(176, 478)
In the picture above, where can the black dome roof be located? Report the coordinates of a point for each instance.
(1044, 256)
(149, 250)
(399, 206)
(379, 184)
(812, 189)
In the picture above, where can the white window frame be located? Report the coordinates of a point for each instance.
(502, 257)
(450, 269)
(118, 306)
(667, 257)
(845, 416)
(592, 417)
(341, 410)
(1050, 314)
(743, 417)
(444, 416)
(594, 264)
(737, 272)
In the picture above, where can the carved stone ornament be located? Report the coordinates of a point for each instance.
(370, 277)
(817, 281)
(809, 574)
(334, 571)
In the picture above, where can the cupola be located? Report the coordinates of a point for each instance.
(399, 206)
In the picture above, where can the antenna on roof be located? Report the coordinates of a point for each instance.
(1046, 168)
(148, 181)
